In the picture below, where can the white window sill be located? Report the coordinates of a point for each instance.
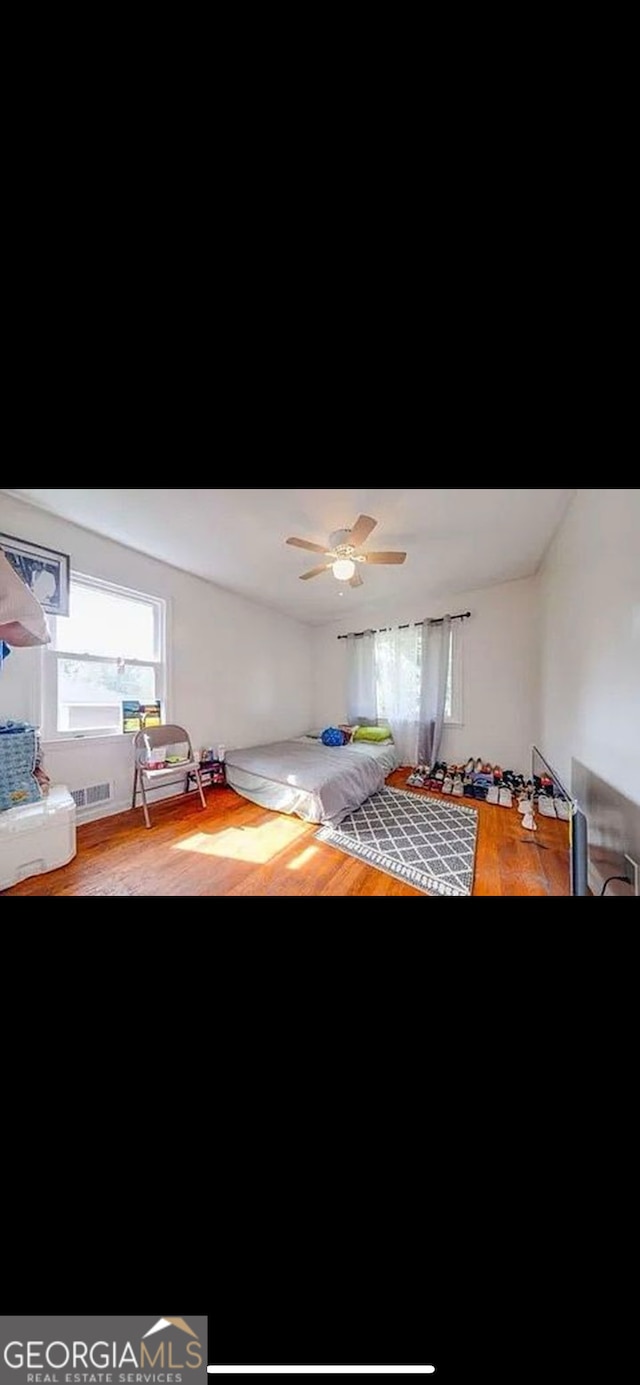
(109, 738)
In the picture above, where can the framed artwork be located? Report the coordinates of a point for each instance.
(45, 572)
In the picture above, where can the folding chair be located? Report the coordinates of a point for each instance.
(144, 745)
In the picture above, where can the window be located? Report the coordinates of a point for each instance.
(398, 663)
(398, 656)
(109, 648)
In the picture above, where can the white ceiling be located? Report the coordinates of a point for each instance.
(456, 540)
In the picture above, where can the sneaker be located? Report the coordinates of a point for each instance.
(563, 809)
(493, 795)
(447, 786)
(458, 787)
(485, 780)
(505, 797)
(415, 780)
(546, 806)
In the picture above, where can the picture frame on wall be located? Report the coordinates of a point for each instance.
(43, 570)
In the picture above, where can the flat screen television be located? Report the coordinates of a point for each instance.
(578, 835)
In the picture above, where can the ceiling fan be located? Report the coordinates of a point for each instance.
(344, 552)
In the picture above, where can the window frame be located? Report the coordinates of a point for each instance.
(52, 654)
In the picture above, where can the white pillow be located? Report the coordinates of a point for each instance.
(22, 619)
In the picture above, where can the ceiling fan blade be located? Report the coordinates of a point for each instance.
(356, 580)
(315, 571)
(304, 543)
(363, 527)
(385, 557)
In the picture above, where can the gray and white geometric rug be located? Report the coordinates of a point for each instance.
(431, 845)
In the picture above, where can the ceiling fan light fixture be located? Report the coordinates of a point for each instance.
(344, 552)
(344, 569)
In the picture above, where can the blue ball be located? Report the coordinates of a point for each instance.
(332, 736)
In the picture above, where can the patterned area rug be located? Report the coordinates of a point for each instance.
(431, 845)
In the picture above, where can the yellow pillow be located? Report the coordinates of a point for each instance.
(373, 733)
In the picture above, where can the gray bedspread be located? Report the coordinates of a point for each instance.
(328, 782)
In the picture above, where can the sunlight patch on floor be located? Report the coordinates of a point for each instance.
(303, 859)
(252, 844)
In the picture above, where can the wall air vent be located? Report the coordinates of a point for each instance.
(95, 793)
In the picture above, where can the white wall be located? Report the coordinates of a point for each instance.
(590, 628)
(240, 673)
(500, 668)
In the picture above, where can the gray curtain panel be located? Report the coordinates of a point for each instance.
(436, 644)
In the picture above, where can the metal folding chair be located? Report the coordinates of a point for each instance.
(144, 744)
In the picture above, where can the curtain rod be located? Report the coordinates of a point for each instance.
(465, 615)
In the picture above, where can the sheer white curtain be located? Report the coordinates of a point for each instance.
(362, 700)
(398, 678)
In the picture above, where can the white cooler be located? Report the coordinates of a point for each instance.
(39, 837)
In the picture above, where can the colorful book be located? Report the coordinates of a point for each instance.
(150, 714)
(131, 719)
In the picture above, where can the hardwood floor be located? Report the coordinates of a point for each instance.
(236, 848)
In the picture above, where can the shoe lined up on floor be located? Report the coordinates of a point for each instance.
(478, 779)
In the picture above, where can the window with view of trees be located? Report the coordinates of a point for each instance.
(108, 650)
(398, 661)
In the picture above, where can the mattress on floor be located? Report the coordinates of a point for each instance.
(317, 783)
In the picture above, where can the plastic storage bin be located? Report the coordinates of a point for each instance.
(37, 837)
